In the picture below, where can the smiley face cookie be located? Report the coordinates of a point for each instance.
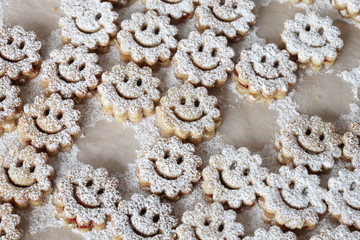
(143, 218)
(71, 72)
(169, 167)
(177, 10)
(50, 123)
(91, 23)
(189, 113)
(231, 18)
(343, 197)
(274, 233)
(293, 198)
(351, 141)
(340, 232)
(9, 225)
(234, 177)
(204, 59)
(25, 177)
(314, 40)
(264, 73)
(309, 141)
(10, 105)
(347, 8)
(304, 1)
(147, 38)
(19, 53)
(129, 92)
(86, 197)
(209, 221)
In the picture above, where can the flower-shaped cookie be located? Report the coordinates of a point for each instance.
(175, 9)
(234, 177)
(50, 123)
(314, 40)
(304, 1)
(210, 222)
(169, 167)
(86, 197)
(204, 59)
(147, 38)
(293, 198)
(10, 105)
(25, 176)
(340, 232)
(351, 141)
(274, 233)
(143, 218)
(189, 113)
(71, 72)
(9, 225)
(129, 92)
(343, 197)
(311, 142)
(19, 53)
(347, 8)
(265, 73)
(231, 18)
(91, 23)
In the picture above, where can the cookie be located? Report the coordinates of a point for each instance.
(189, 113)
(72, 72)
(10, 222)
(304, 1)
(19, 53)
(347, 8)
(293, 198)
(90, 22)
(143, 218)
(147, 38)
(234, 177)
(274, 233)
(351, 141)
(10, 105)
(343, 197)
(209, 221)
(203, 59)
(50, 123)
(231, 18)
(129, 92)
(311, 142)
(177, 10)
(25, 177)
(169, 167)
(340, 232)
(264, 73)
(313, 40)
(86, 197)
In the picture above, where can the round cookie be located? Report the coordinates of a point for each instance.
(274, 233)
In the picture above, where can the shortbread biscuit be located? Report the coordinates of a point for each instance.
(189, 113)
(204, 59)
(19, 53)
(343, 197)
(231, 18)
(264, 73)
(10, 222)
(293, 198)
(129, 92)
(209, 221)
(10, 105)
(147, 38)
(234, 177)
(169, 167)
(309, 141)
(274, 233)
(314, 40)
(351, 141)
(50, 123)
(347, 8)
(86, 198)
(177, 10)
(304, 1)
(72, 72)
(91, 23)
(143, 218)
(340, 232)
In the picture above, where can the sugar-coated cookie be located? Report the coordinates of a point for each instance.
(340, 232)
(9, 225)
(274, 233)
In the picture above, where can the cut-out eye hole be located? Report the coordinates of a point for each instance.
(214, 53)
(308, 28)
(201, 48)
(222, 2)
(98, 16)
(59, 116)
(276, 64)
(167, 155)
(82, 67)
(182, 101)
(322, 137)
(197, 103)
(47, 112)
(308, 132)
(89, 183)
(19, 164)
(143, 27)
(143, 212)
(263, 59)
(233, 166)
(10, 41)
(292, 185)
(321, 31)
(101, 191)
(2, 98)
(234, 6)
(156, 218)
(352, 186)
(139, 82)
(126, 79)
(207, 222)
(180, 160)
(156, 31)
(221, 227)
(22, 45)
(71, 61)
(246, 171)
(305, 191)
(32, 169)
